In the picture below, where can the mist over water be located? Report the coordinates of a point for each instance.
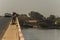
(45, 7)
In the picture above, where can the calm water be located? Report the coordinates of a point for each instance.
(35, 34)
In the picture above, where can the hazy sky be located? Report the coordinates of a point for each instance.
(45, 7)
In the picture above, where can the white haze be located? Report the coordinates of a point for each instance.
(45, 7)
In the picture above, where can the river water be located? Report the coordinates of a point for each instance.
(36, 34)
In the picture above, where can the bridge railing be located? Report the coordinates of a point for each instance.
(19, 30)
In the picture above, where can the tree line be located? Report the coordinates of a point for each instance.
(50, 22)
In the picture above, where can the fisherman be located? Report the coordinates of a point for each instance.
(14, 18)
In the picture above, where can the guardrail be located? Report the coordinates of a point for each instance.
(19, 30)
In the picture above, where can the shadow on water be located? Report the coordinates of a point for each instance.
(50, 28)
(26, 27)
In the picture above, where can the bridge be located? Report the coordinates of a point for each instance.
(14, 32)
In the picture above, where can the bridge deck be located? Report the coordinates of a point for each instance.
(11, 33)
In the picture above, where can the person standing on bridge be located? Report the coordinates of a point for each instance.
(14, 18)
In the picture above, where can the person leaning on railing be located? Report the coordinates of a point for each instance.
(14, 18)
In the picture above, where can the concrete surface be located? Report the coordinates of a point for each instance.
(4, 22)
(11, 33)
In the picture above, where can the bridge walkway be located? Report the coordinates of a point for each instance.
(11, 33)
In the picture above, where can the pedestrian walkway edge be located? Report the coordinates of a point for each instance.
(19, 30)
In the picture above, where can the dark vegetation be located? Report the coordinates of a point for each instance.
(51, 22)
(8, 15)
(37, 20)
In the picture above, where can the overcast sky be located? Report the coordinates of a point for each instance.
(45, 7)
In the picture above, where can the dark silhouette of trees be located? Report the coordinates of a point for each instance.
(40, 17)
(36, 15)
(22, 20)
(51, 17)
(57, 21)
(43, 22)
(51, 21)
